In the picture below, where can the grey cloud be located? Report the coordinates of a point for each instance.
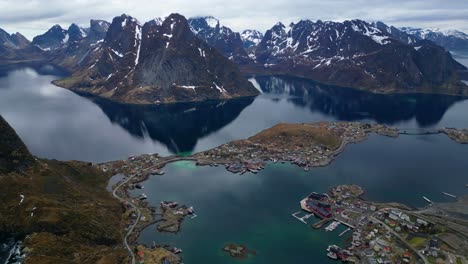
(33, 17)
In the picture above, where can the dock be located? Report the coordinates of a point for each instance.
(450, 195)
(344, 232)
(427, 200)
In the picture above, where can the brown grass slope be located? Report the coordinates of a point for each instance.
(67, 213)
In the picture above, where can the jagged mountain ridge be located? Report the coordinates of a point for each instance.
(228, 42)
(356, 54)
(158, 62)
(251, 38)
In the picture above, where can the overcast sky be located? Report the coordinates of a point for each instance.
(33, 17)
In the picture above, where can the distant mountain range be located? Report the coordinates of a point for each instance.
(175, 59)
(452, 40)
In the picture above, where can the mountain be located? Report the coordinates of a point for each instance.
(15, 47)
(452, 40)
(62, 207)
(97, 30)
(228, 42)
(251, 38)
(396, 33)
(80, 43)
(158, 62)
(359, 55)
(54, 38)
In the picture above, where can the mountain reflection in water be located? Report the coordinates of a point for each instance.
(178, 126)
(57, 123)
(348, 104)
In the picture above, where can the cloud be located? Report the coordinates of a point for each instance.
(33, 17)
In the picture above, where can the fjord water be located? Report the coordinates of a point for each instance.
(255, 209)
(57, 123)
(251, 209)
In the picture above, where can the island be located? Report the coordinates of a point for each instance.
(238, 251)
(459, 135)
(305, 145)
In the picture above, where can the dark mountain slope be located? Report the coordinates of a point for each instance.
(359, 55)
(159, 62)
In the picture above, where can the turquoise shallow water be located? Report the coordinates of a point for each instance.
(255, 210)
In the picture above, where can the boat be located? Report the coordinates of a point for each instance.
(176, 250)
(332, 255)
(334, 248)
(142, 197)
(332, 226)
(427, 200)
(448, 194)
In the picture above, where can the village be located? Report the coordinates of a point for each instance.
(381, 233)
(312, 145)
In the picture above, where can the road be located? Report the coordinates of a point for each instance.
(122, 200)
(402, 240)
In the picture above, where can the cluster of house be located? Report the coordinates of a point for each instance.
(398, 220)
(378, 247)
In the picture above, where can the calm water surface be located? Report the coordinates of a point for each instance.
(255, 210)
(57, 123)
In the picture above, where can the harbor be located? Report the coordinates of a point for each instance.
(380, 233)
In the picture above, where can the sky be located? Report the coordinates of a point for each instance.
(34, 17)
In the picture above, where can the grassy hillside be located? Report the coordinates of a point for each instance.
(66, 211)
(296, 135)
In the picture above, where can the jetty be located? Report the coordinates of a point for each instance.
(450, 195)
(344, 232)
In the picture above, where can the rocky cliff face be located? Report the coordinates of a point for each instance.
(228, 42)
(357, 54)
(158, 62)
(14, 156)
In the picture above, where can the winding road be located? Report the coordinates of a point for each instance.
(123, 200)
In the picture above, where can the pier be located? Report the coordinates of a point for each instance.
(344, 232)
